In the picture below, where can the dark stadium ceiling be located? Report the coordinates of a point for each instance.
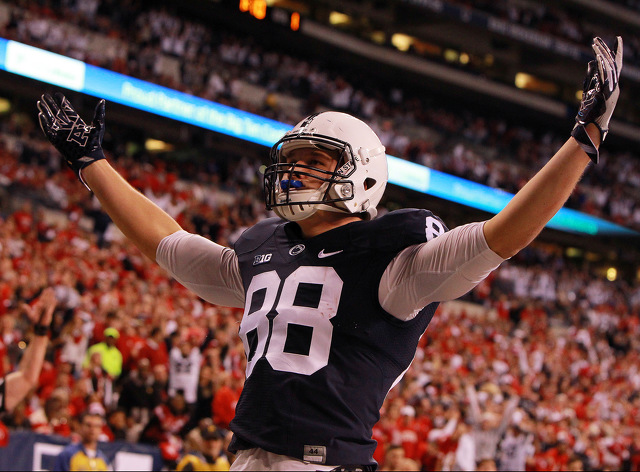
(478, 40)
(467, 37)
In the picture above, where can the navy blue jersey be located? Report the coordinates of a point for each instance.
(322, 353)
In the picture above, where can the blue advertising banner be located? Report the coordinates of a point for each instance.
(422, 179)
(72, 74)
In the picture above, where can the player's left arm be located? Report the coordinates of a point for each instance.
(18, 384)
(540, 199)
(453, 263)
(444, 268)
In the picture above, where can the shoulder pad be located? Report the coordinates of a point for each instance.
(256, 235)
(402, 228)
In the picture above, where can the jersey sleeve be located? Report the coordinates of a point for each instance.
(441, 269)
(204, 267)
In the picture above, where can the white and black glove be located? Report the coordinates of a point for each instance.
(599, 94)
(79, 144)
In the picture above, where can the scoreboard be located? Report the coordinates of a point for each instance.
(260, 10)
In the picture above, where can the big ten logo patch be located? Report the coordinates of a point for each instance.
(261, 259)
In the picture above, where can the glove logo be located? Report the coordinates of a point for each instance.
(80, 144)
(600, 94)
(79, 133)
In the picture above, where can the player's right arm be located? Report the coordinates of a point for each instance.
(143, 222)
(139, 219)
(206, 268)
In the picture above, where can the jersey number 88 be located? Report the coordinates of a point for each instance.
(292, 335)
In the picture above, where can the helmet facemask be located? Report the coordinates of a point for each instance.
(286, 194)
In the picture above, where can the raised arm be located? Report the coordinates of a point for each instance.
(142, 221)
(474, 405)
(139, 219)
(540, 199)
(18, 384)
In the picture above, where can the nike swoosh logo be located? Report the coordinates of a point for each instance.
(322, 254)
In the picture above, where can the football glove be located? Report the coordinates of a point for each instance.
(600, 93)
(79, 144)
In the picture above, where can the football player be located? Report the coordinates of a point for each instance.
(16, 385)
(335, 299)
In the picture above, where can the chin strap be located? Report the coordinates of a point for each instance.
(333, 209)
(291, 211)
(369, 214)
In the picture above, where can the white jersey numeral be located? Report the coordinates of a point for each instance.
(256, 323)
(256, 328)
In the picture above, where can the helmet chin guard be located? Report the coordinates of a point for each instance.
(355, 185)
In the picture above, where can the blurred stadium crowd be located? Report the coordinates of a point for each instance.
(556, 21)
(163, 48)
(537, 368)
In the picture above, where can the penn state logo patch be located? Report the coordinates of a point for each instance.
(297, 249)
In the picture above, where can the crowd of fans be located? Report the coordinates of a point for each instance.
(634, 5)
(538, 368)
(557, 22)
(161, 47)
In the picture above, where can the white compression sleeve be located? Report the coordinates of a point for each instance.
(204, 267)
(442, 269)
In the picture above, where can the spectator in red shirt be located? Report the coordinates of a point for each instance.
(24, 218)
(47, 380)
(412, 438)
(225, 400)
(167, 423)
(155, 349)
(54, 416)
(130, 343)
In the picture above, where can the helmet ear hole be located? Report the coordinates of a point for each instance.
(369, 183)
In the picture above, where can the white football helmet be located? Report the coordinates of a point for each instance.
(355, 185)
